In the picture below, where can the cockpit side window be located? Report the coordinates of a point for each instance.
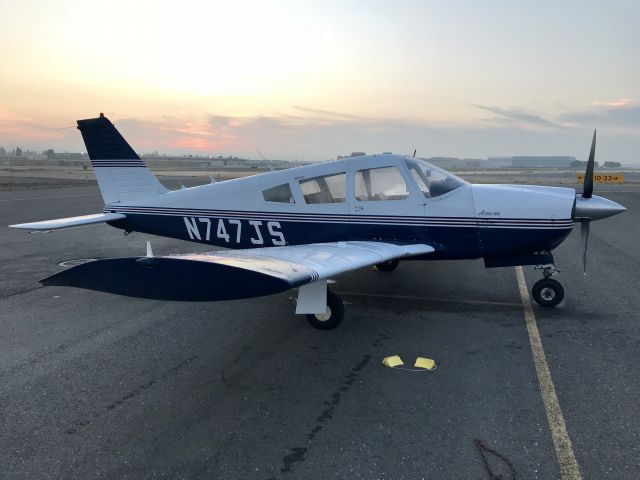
(431, 180)
(279, 194)
(325, 189)
(421, 181)
(384, 183)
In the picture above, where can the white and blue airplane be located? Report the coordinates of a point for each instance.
(298, 228)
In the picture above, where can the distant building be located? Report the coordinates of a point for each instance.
(499, 162)
(473, 163)
(534, 161)
(445, 162)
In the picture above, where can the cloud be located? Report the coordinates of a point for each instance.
(623, 115)
(322, 135)
(311, 138)
(621, 102)
(20, 130)
(171, 134)
(517, 115)
(330, 114)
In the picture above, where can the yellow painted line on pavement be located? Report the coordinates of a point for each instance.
(427, 299)
(564, 451)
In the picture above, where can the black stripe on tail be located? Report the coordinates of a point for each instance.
(105, 146)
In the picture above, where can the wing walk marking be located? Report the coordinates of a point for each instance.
(318, 260)
(240, 259)
(564, 451)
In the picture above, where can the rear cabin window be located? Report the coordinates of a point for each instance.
(279, 194)
(384, 183)
(325, 189)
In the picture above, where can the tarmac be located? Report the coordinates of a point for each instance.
(94, 385)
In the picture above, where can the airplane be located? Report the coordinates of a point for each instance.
(300, 227)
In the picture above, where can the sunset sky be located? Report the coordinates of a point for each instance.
(315, 79)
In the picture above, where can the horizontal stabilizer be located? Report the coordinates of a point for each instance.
(70, 221)
(228, 275)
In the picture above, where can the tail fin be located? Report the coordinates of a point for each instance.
(120, 173)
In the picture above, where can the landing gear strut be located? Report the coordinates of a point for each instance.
(547, 292)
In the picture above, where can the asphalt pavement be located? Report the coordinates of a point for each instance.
(94, 385)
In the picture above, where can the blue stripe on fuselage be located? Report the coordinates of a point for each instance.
(450, 241)
(349, 218)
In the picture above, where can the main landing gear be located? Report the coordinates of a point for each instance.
(388, 266)
(332, 316)
(323, 308)
(547, 292)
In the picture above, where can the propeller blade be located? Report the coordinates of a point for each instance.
(584, 230)
(587, 189)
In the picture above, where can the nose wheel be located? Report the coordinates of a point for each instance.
(547, 292)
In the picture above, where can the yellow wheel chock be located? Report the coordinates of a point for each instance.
(421, 364)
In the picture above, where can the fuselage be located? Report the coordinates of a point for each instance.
(386, 198)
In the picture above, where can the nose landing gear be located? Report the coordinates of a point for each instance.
(547, 292)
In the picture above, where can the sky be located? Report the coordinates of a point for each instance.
(310, 80)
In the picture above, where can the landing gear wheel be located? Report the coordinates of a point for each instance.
(547, 292)
(388, 266)
(332, 317)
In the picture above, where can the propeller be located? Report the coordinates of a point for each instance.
(584, 230)
(587, 187)
(587, 192)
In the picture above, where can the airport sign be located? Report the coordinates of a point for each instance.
(604, 178)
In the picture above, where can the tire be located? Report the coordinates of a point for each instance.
(388, 266)
(547, 292)
(333, 317)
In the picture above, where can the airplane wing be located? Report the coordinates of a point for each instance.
(229, 274)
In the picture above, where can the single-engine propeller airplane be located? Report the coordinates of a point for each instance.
(302, 226)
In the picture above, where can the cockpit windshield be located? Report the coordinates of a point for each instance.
(431, 180)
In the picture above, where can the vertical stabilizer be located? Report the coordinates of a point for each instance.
(121, 175)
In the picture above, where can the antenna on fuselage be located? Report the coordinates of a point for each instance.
(414, 153)
(268, 162)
